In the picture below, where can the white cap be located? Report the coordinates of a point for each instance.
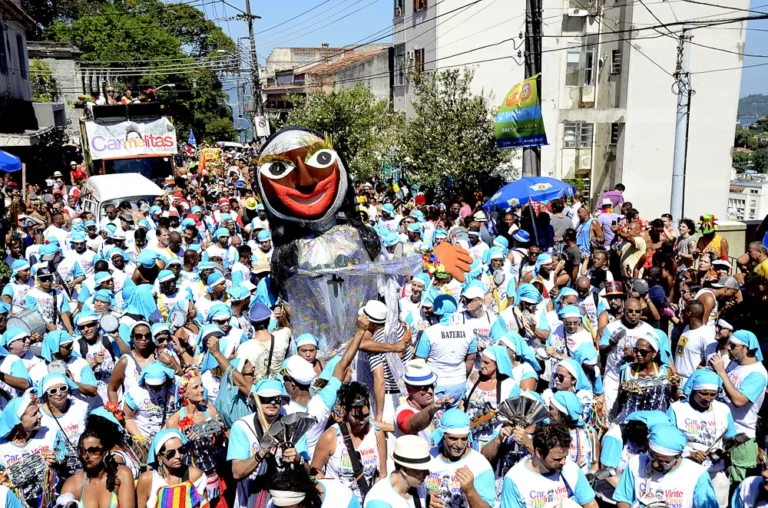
(412, 452)
(376, 311)
(472, 292)
(300, 370)
(119, 234)
(480, 216)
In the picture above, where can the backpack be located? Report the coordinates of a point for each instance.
(82, 344)
(230, 403)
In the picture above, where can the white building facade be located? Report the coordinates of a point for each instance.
(748, 198)
(607, 99)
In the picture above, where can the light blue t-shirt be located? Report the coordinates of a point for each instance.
(524, 488)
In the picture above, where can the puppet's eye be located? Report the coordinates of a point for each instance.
(322, 159)
(275, 170)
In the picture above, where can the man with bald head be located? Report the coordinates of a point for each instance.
(634, 249)
(617, 338)
(594, 305)
(691, 350)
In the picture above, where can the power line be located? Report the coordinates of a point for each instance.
(286, 29)
(281, 40)
(731, 68)
(291, 19)
(732, 9)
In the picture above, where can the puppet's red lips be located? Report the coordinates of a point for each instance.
(308, 205)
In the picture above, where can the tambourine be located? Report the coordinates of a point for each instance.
(178, 318)
(541, 353)
(57, 367)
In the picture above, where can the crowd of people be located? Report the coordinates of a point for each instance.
(589, 357)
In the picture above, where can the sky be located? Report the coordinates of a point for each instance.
(342, 22)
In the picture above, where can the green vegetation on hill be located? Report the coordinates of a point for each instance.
(753, 105)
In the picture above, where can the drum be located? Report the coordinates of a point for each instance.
(29, 320)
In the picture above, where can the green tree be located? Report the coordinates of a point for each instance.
(168, 44)
(760, 160)
(44, 85)
(450, 140)
(741, 161)
(363, 129)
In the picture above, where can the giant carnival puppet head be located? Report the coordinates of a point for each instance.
(306, 188)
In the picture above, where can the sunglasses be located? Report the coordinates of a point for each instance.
(142, 335)
(664, 462)
(91, 450)
(181, 450)
(87, 325)
(633, 311)
(220, 321)
(641, 352)
(276, 401)
(733, 345)
(562, 377)
(161, 339)
(54, 391)
(45, 278)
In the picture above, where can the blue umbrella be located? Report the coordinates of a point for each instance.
(527, 189)
(191, 141)
(9, 163)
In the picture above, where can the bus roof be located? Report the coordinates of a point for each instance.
(122, 185)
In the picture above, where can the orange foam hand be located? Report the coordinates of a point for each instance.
(455, 259)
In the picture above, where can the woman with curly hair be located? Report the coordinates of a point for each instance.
(102, 483)
(366, 463)
(110, 422)
(194, 409)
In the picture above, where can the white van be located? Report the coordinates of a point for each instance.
(102, 190)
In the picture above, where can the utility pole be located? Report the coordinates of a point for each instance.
(255, 82)
(683, 77)
(532, 154)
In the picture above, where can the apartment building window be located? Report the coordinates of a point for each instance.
(399, 8)
(418, 60)
(753, 191)
(616, 61)
(400, 64)
(22, 60)
(615, 133)
(580, 62)
(419, 5)
(577, 134)
(3, 53)
(752, 202)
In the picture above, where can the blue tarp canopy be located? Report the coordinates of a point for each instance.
(528, 188)
(9, 163)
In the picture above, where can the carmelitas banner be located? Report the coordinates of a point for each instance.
(519, 121)
(131, 139)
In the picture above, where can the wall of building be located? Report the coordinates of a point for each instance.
(16, 83)
(415, 32)
(373, 72)
(651, 112)
(64, 61)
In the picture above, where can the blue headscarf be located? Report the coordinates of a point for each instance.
(566, 292)
(238, 292)
(142, 302)
(221, 232)
(666, 440)
(219, 310)
(475, 271)
(104, 295)
(445, 307)
(53, 341)
(214, 279)
(148, 258)
(453, 421)
(103, 413)
(305, 339)
(513, 340)
(263, 293)
(209, 362)
(418, 215)
(749, 339)
(19, 265)
(569, 403)
(53, 380)
(159, 441)
(649, 418)
(570, 311)
(665, 348)
(542, 259)
(500, 355)
(5, 308)
(10, 335)
(156, 370)
(529, 293)
(264, 235)
(702, 379)
(11, 415)
(574, 368)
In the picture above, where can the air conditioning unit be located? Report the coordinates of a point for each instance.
(411, 55)
(585, 160)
